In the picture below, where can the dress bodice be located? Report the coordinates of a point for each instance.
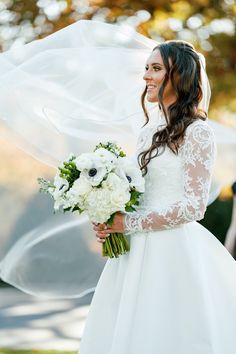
(164, 179)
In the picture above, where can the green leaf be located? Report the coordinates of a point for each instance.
(66, 209)
(129, 208)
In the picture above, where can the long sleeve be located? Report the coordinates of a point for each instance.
(198, 153)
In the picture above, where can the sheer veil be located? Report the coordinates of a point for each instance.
(63, 94)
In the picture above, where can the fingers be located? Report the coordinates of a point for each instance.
(101, 238)
(98, 227)
(102, 231)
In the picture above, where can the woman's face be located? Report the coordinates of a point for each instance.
(154, 75)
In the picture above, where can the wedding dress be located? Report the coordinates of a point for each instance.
(175, 291)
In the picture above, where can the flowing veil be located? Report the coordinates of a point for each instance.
(63, 94)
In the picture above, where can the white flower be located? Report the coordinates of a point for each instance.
(79, 191)
(84, 161)
(61, 185)
(61, 201)
(82, 186)
(119, 197)
(58, 202)
(92, 168)
(98, 205)
(94, 175)
(132, 173)
(108, 158)
(114, 181)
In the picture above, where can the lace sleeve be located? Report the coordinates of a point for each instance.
(198, 155)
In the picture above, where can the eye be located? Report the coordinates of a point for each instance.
(156, 68)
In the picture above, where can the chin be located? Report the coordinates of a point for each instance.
(151, 99)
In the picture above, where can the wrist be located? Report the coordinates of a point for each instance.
(132, 223)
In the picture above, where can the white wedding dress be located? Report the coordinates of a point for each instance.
(175, 291)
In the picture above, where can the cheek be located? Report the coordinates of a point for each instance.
(159, 77)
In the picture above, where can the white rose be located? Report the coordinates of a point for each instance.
(99, 216)
(114, 181)
(119, 198)
(98, 205)
(78, 192)
(82, 185)
(98, 198)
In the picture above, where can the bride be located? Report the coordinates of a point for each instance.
(175, 291)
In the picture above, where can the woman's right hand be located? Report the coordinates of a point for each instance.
(101, 232)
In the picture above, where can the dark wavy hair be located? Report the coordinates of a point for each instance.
(183, 69)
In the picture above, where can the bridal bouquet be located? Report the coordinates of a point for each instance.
(100, 183)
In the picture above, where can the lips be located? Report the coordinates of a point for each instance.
(151, 87)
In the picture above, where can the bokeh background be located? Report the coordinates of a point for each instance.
(208, 24)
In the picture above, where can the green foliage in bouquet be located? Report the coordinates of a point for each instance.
(69, 171)
(112, 147)
(134, 200)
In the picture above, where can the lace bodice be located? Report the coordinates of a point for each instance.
(176, 186)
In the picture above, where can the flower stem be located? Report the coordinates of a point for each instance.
(115, 245)
(118, 243)
(109, 247)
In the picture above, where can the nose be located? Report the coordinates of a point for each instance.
(147, 75)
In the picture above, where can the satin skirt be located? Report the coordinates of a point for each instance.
(173, 293)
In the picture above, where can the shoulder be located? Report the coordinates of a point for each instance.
(199, 140)
(199, 132)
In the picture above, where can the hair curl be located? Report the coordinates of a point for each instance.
(184, 75)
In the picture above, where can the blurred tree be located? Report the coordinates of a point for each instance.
(208, 24)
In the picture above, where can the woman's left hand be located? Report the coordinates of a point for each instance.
(103, 230)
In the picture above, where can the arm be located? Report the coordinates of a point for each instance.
(198, 155)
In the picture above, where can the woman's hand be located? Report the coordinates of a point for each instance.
(104, 230)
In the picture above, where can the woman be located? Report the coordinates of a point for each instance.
(172, 293)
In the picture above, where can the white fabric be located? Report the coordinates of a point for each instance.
(75, 87)
(63, 94)
(175, 291)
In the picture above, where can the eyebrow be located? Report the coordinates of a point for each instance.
(155, 64)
